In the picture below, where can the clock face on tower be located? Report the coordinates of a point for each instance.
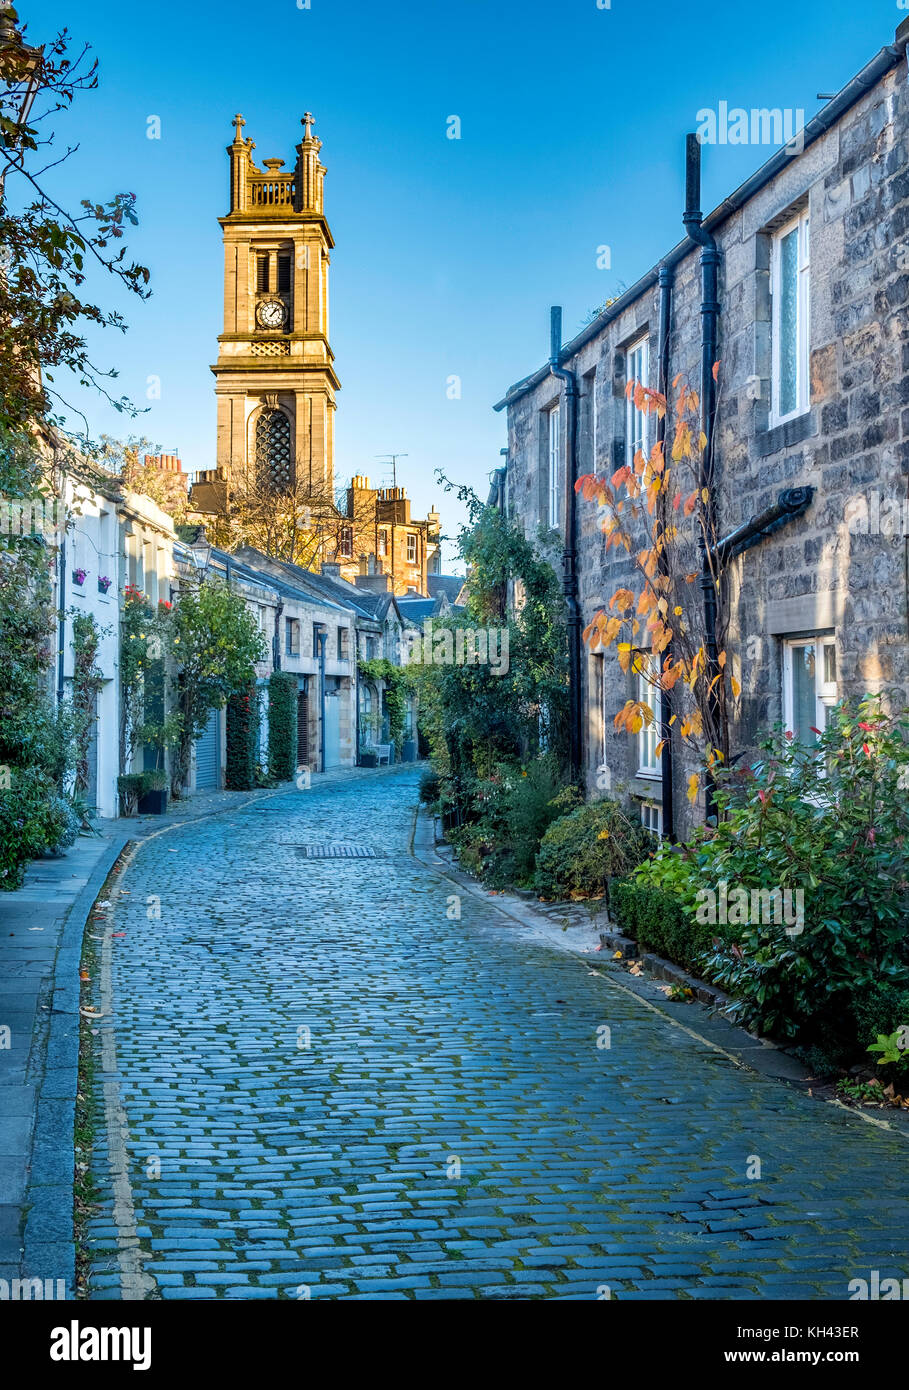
(271, 313)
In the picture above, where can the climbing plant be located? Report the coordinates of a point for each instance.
(655, 619)
(395, 678)
(88, 680)
(242, 740)
(282, 725)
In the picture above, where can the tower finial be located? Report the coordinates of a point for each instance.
(239, 123)
(307, 124)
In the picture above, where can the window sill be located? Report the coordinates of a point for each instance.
(649, 774)
(792, 431)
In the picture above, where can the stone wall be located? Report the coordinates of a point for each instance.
(818, 573)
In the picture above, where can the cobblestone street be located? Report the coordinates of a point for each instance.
(324, 1087)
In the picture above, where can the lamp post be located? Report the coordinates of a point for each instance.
(200, 550)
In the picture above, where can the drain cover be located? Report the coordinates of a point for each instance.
(335, 851)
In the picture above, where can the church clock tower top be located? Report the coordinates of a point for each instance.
(270, 191)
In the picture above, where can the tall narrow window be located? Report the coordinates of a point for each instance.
(262, 273)
(591, 380)
(284, 273)
(274, 459)
(648, 738)
(383, 542)
(411, 548)
(555, 467)
(637, 368)
(345, 542)
(809, 685)
(790, 287)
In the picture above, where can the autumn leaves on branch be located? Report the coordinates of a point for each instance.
(656, 621)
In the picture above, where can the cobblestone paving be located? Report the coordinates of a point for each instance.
(452, 1129)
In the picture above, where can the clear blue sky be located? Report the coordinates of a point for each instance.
(448, 252)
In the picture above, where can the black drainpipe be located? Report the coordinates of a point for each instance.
(569, 562)
(710, 312)
(276, 639)
(323, 637)
(666, 281)
(790, 503)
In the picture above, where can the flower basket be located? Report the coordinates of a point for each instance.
(103, 583)
(79, 577)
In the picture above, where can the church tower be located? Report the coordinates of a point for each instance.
(275, 381)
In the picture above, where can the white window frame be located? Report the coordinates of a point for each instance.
(554, 442)
(652, 818)
(802, 224)
(637, 368)
(345, 543)
(649, 735)
(383, 542)
(411, 548)
(825, 691)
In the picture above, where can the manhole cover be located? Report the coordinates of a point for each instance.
(335, 851)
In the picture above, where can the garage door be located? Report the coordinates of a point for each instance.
(208, 754)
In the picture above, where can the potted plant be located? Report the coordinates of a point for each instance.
(129, 785)
(153, 795)
(103, 583)
(79, 576)
(368, 757)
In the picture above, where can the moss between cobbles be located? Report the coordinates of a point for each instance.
(89, 1109)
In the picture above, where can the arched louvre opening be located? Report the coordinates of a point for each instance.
(274, 457)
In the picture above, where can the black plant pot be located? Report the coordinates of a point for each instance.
(368, 760)
(153, 803)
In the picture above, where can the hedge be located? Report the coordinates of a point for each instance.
(282, 725)
(242, 740)
(658, 922)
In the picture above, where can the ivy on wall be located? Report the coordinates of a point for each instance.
(242, 740)
(87, 682)
(381, 669)
(282, 725)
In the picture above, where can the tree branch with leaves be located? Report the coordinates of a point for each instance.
(658, 510)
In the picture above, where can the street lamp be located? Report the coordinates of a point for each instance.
(200, 550)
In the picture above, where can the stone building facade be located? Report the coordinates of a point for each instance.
(382, 537)
(814, 393)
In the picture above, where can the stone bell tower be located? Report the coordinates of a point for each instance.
(275, 381)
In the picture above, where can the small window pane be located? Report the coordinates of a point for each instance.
(788, 322)
(830, 664)
(804, 702)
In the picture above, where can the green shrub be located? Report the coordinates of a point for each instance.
(242, 740)
(430, 787)
(33, 817)
(659, 922)
(880, 1009)
(130, 786)
(657, 905)
(154, 780)
(583, 851)
(506, 817)
(282, 725)
(831, 822)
